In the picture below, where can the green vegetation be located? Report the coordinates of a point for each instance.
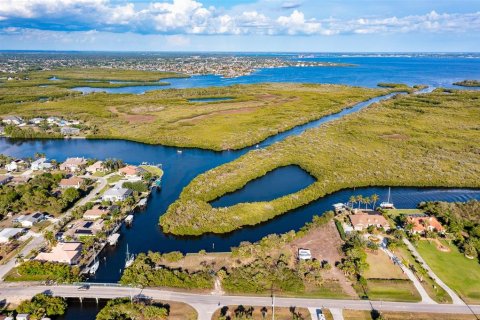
(42, 305)
(416, 140)
(37, 195)
(260, 313)
(166, 117)
(463, 223)
(33, 270)
(153, 170)
(147, 270)
(468, 83)
(29, 133)
(123, 308)
(390, 315)
(458, 272)
(138, 186)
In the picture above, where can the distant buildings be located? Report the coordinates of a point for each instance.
(64, 252)
(13, 120)
(70, 131)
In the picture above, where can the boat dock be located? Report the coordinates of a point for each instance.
(129, 219)
(113, 239)
(142, 204)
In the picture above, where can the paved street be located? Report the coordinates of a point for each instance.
(206, 304)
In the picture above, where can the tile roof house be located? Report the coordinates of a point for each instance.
(72, 182)
(73, 164)
(63, 252)
(95, 213)
(364, 220)
(96, 167)
(116, 194)
(131, 171)
(422, 223)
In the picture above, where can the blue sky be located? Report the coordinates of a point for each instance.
(241, 25)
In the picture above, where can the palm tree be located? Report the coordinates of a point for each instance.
(359, 199)
(366, 201)
(352, 200)
(19, 258)
(374, 198)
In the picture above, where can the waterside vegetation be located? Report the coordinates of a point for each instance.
(415, 140)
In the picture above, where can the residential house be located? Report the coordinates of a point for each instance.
(423, 223)
(27, 221)
(365, 219)
(5, 179)
(13, 120)
(40, 164)
(72, 182)
(64, 252)
(20, 179)
(96, 213)
(69, 131)
(116, 194)
(12, 166)
(8, 234)
(73, 164)
(96, 167)
(131, 171)
(86, 228)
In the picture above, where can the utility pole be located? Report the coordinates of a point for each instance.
(273, 306)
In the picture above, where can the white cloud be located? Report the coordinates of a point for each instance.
(192, 17)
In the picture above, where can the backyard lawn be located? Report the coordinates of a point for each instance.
(392, 290)
(458, 272)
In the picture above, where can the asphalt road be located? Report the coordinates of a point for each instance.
(206, 304)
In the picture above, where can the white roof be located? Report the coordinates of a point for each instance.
(7, 233)
(116, 192)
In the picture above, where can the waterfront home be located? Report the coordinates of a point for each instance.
(8, 234)
(64, 252)
(13, 120)
(116, 194)
(364, 219)
(72, 182)
(86, 228)
(5, 179)
(96, 213)
(304, 254)
(69, 131)
(422, 223)
(96, 167)
(12, 166)
(40, 164)
(73, 164)
(131, 171)
(27, 221)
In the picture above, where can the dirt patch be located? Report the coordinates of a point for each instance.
(439, 245)
(148, 109)
(214, 113)
(324, 243)
(133, 118)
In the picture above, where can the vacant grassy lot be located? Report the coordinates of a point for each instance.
(459, 273)
(167, 117)
(392, 290)
(381, 267)
(256, 313)
(416, 140)
(388, 315)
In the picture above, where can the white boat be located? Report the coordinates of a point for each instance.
(129, 219)
(93, 269)
(179, 151)
(387, 204)
(129, 258)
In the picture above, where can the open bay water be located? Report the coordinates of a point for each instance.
(367, 71)
(181, 168)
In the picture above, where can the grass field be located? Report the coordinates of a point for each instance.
(392, 290)
(389, 315)
(434, 291)
(381, 267)
(459, 273)
(167, 117)
(415, 140)
(256, 314)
